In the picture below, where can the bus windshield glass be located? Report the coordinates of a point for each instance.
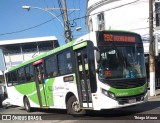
(121, 62)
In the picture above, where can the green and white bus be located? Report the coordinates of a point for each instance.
(101, 70)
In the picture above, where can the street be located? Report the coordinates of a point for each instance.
(146, 111)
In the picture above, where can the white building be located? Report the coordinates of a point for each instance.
(131, 15)
(19, 50)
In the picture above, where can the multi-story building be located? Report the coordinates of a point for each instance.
(131, 15)
(19, 50)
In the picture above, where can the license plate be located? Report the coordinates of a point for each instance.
(132, 101)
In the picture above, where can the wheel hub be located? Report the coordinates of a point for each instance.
(76, 106)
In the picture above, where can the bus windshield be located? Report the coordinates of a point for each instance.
(121, 62)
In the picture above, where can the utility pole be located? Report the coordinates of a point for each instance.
(151, 51)
(68, 34)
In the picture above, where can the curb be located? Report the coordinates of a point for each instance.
(154, 97)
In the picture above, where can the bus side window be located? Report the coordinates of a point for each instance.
(50, 67)
(69, 66)
(31, 70)
(65, 63)
(21, 75)
(8, 79)
(14, 77)
(61, 64)
(29, 73)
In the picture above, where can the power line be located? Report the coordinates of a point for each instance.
(54, 6)
(9, 33)
(60, 5)
(106, 10)
(45, 2)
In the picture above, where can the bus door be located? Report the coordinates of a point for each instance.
(40, 85)
(83, 78)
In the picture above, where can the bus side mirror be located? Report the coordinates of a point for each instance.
(98, 58)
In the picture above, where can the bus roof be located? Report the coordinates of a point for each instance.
(123, 31)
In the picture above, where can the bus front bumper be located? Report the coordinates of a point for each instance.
(109, 103)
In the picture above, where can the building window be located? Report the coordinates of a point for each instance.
(101, 21)
(90, 25)
(157, 9)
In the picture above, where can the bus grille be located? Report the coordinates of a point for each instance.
(124, 84)
(125, 100)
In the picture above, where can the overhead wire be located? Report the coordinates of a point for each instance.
(61, 10)
(71, 16)
(107, 10)
(56, 13)
(45, 2)
(60, 5)
(74, 8)
(7, 33)
(54, 6)
(26, 28)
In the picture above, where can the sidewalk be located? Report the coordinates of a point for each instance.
(154, 97)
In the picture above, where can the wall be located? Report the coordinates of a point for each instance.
(123, 15)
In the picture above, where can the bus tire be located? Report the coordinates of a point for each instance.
(73, 107)
(27, 105)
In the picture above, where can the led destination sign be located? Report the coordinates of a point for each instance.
(118, 38)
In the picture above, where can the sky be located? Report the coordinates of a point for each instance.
(17, 23)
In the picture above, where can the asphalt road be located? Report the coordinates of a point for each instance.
(148, 112)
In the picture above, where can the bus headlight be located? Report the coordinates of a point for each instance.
(111, 95)
(108, 93)
(105, 92)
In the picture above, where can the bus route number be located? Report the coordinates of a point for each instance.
(108, 37)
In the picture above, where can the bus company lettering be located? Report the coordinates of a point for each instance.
(122, 94)
(58, 88)
(117, 38)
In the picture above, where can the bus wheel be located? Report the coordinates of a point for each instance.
(27, 105)
(73, 107)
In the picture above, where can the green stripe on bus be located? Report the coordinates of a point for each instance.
(26, 88)
(80, 45)
(128, 92)
(30, 90)
(49, 91)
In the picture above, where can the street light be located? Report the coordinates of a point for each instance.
(31, 7)
(78, 28)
